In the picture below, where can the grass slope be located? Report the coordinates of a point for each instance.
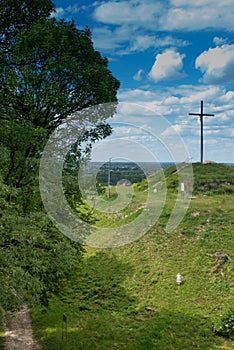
(127, 297)
(214, 177)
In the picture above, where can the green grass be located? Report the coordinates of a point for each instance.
(127, 298)
(213, 177)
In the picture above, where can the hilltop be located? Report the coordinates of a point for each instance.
(207, 177)
(213, 176)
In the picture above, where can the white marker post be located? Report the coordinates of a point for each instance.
(178, 279)
(182, 188)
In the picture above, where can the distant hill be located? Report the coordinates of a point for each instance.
(133, 172)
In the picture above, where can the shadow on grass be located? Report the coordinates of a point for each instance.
(102, 314)
(96, 330)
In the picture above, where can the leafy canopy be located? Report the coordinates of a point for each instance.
(49, 70)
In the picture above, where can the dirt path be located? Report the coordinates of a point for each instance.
(18, 332)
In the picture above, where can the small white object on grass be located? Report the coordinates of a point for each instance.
(178, 279)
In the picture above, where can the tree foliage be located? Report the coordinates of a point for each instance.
(19, 15)
(52, 72)
(35, 257)
(49, 70)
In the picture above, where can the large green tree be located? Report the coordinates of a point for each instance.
(49, 70)
(52, 72)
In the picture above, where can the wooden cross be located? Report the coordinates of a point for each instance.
(201, 120)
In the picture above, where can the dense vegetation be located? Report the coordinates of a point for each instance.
(48, 71)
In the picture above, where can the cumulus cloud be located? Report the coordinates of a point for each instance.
(217, 64)
(167, 66)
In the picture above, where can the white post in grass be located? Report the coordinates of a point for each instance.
(178, 279)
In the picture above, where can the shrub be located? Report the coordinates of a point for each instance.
(224, 324)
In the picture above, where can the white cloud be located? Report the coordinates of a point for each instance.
(130, 27)
(59, 12)
(72, 9)
(122, 41)
(174, 104)
(138, 75)
(198, 15)
(217, 64)
(134, 23)
(142, 42)
(122, 12)
(219, 41)
(167, 66)
(169, 40)
(171, 15)
(172, 130)
(106, 39)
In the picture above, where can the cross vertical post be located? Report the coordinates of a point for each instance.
(201, 120)
(109, 171)
(201, 115)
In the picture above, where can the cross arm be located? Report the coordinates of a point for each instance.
(202, 114)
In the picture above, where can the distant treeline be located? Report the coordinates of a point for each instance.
(132, 172)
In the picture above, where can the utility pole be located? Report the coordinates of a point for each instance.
(201, 120)
(109, 171)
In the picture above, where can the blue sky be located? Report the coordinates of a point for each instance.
(168, 55)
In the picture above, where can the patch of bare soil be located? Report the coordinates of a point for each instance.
(18, 332)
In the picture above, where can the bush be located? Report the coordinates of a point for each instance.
(223, 190)
(224, 324)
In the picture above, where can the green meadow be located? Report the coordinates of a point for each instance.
(127, 297)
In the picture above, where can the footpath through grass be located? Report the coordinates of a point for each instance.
(127, 297)
(1, 331)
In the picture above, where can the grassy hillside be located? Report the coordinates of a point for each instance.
(209, 178)
(127, 297)
(214, 177)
